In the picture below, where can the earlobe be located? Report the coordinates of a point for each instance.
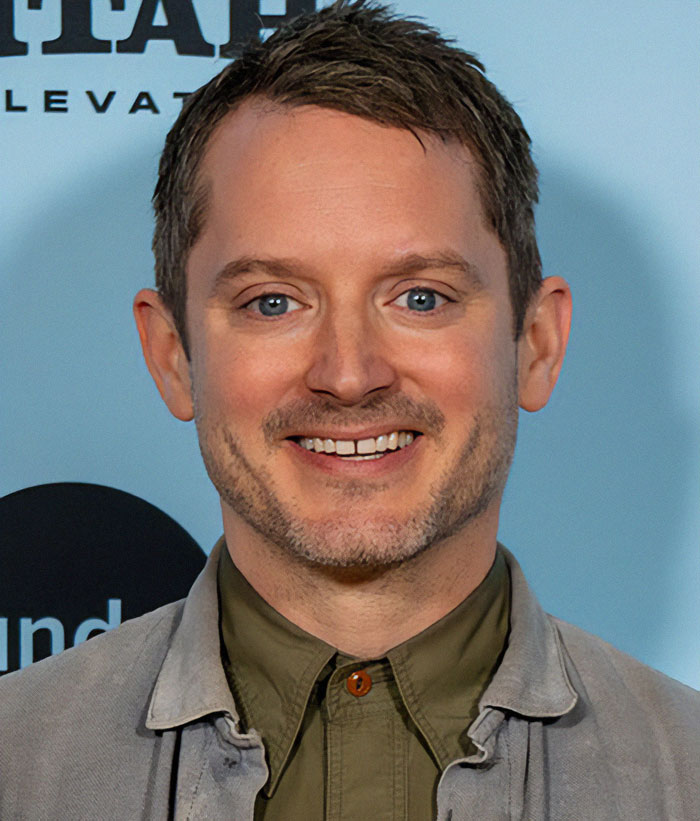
(163, 352)
(542, 344)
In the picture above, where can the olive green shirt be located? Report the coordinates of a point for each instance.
(368, 746)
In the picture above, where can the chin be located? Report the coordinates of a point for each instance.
(357, 542)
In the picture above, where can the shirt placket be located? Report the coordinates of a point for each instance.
(365, 747)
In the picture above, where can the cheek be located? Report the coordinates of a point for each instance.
(245, 382)
(457, 372)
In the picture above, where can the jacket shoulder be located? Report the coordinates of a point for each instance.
(77, 720)
(613, 679)
(109, 672)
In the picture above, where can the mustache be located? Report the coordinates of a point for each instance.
(424, 416)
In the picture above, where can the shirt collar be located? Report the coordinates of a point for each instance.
(273, 665)
(531, 680)
(442, 672)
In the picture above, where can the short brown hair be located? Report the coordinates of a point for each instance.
(360, 58)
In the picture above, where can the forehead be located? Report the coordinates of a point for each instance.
(276, 145)
(314, 182)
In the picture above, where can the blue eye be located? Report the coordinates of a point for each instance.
(420, 299)
(273, 305)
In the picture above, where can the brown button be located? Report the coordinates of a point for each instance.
(359, 683)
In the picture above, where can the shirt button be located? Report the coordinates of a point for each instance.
(359, 683)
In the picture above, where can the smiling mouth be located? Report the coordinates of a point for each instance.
(356, 450)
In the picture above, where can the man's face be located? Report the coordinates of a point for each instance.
(345, 292)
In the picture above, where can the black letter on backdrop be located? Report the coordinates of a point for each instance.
(144, 102)
(245, 21)
(9, 102)
(55, 101)
(182, 28)
(9, 45)
(101, 107)
(76, 29)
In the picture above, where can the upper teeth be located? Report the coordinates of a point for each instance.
(349, 447)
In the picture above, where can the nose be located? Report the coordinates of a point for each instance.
(350, 359)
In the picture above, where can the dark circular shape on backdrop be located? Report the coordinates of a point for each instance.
(76, 559)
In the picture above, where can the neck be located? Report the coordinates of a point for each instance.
(366, 611)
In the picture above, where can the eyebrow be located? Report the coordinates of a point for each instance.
(407, 265)
(281, 268)
(417, 263)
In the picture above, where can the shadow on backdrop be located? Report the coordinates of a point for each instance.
(79, 404)
(597, 503)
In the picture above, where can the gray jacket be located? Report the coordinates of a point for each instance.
(139, 723)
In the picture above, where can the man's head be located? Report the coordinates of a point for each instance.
(349, 289)
(360, 59)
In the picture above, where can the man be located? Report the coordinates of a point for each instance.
(350, 306)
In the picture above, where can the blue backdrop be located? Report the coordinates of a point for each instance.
(602, 506)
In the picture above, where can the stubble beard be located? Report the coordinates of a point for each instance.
(460, 495)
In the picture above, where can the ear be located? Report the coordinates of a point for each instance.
(542, 344)
(163, 352)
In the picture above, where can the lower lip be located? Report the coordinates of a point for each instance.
(336, 466)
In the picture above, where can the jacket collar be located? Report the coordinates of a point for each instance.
(192, 682)
(531, 680)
